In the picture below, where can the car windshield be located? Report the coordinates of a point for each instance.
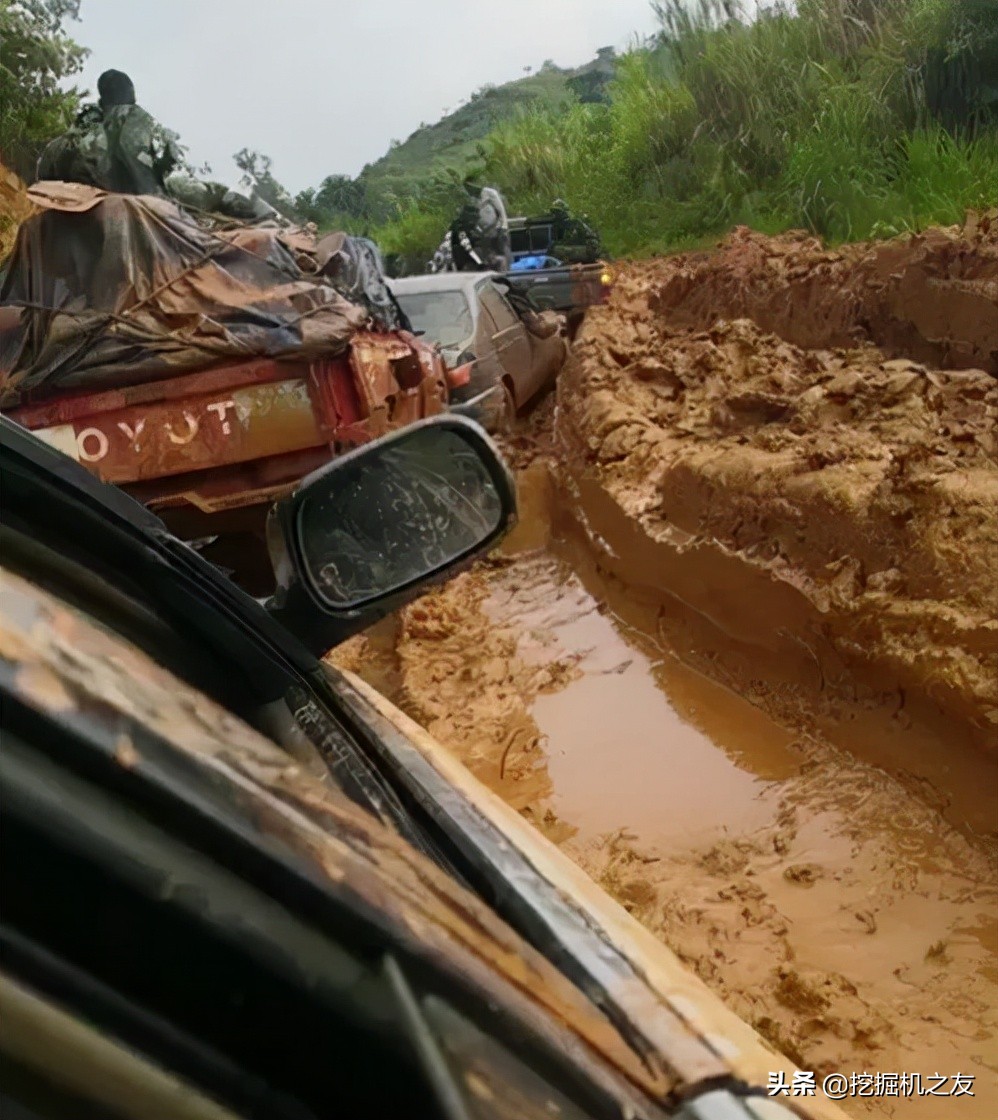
(445, 317)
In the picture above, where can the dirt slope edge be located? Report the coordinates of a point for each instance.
(825, 520)
(931, 296)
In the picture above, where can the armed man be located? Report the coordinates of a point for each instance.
(115, 145)
(573, 240)
(118, 146)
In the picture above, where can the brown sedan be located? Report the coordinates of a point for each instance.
(517, 351)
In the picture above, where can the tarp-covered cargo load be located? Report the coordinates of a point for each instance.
(116, 290)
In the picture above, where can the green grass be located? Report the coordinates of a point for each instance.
(850, 118)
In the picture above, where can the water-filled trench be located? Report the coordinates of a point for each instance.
(836, 907)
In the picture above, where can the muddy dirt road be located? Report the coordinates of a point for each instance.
(740, 657)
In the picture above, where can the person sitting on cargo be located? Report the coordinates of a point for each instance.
(141, 153)
(117, 146)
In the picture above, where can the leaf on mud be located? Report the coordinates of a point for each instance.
(804, 874)
(937, 952)
(867, 919)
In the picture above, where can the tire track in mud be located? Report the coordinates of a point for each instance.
(649, 688)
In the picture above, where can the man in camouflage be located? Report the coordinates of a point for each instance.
(141, 153)
(117, 146)
(80, 154)
(573, 240)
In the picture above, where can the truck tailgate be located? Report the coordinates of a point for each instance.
(569, 288)
(243, 413)
(251, 412)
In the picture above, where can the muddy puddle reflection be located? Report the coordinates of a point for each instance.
(834, 910)
(634, 740)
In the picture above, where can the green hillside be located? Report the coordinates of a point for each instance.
(850, 118)
(452, 141)
(427, 168)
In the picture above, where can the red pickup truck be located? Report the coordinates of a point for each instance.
(238, 435)
(204, 373)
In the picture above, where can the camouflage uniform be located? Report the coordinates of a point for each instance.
(80, 154)
(141, 153)
(572, 239)
(119, 147)
(115, 145)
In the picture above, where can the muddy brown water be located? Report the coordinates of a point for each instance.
(846, 911)
(834, 909)
(639, 718)
(738, 658)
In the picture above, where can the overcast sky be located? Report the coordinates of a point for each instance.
(322, 86)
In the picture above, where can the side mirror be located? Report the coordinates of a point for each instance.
(369, 532)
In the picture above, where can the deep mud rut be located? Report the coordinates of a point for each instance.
(781, 760)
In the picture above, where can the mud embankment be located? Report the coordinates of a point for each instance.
(820, 524)
(931, 297)
(14, 208)
(740, 658)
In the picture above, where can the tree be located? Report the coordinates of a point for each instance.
(258, 176)
(337, 198)
(36, 54)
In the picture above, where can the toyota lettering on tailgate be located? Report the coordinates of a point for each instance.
(150, 441)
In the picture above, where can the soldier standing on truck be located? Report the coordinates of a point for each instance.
(573, 240)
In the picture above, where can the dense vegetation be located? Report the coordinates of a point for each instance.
(851, 118)
(36, 53)
(423, 173)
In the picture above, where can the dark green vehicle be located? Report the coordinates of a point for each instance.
(558, 234)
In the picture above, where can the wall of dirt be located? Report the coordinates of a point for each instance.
(767, 488)
(931, 297)
(831, 513)
(14, 208)
(831, 908)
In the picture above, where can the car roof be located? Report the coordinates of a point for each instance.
(440, 282)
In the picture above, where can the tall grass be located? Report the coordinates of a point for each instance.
(850, 118)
